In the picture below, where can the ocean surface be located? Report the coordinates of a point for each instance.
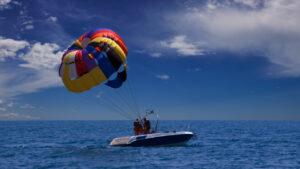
(85, 144)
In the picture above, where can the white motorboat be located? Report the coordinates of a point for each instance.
(154, 139)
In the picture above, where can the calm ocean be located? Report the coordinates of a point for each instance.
(84, 144)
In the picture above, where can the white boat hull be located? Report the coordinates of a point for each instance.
(154, 139)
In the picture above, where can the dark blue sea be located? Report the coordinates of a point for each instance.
(84, 144)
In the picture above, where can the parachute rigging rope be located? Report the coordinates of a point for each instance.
(134, 97)
(116, 108)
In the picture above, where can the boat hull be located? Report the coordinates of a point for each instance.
(155, 139)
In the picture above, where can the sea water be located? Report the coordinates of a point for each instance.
(85, 144)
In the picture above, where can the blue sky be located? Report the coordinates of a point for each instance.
(215, 60)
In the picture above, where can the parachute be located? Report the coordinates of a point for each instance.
(96, 57)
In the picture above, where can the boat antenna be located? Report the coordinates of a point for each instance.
(157, 118)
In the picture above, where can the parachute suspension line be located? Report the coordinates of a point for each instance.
(134, 98)
(120, 100)
(113, 108)
(129, 100)
(116, 108)
(112, 102)
(110, 106)
(117, 103)
(125, 97)
(122, 97)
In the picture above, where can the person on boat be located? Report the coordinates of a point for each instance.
(137, 127)
(147, 126)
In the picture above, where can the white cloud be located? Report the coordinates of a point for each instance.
(262, 28)
(24, 20)
(156, 54)
(8, 115)
(183, 46)
(34, 69)
(163, 77)
(27, 106)
(9, 112)
(4, 4)
(250, 3)
(148, 52)
(10, 47)
(28, 27)
(26, 80)
(16, 116)
(139, 51)
(4, 105)
(53, 18)
(42, 56)
(10, 104)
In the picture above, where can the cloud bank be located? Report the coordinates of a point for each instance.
(4, 4)
(9, 47)
(267, 28)
(27, 67)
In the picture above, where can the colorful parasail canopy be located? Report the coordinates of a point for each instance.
(96, 57)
